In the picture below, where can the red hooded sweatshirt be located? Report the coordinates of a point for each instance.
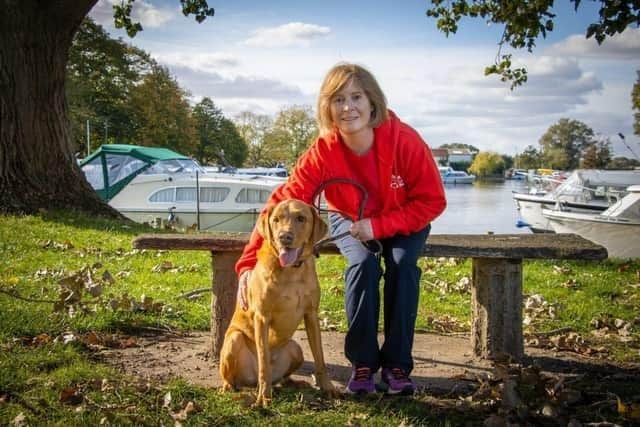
(411, 190)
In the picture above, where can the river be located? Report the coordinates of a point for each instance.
(480, 208)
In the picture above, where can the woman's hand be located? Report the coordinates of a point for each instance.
(243, 290)
(362, 230)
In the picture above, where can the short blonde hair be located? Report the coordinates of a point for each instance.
(336, 79)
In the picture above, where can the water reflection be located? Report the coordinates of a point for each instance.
(480, 208)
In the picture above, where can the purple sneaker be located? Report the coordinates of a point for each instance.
(361, 381)
(397, 382)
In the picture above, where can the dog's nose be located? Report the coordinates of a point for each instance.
(286, 238)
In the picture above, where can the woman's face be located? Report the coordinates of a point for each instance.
(351, 109)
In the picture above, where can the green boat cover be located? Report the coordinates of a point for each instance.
(106, 167)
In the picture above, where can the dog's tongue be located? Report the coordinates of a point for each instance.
(288, 256)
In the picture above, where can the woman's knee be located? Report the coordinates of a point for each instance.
(368, 265)
(401, 259)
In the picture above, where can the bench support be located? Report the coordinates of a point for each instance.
(223, 297)
(497, 308)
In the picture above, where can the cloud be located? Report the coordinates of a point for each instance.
(147, 14)
(291, 34)
(467, 107)
(214, 85)
(198, 60)
(624, 46)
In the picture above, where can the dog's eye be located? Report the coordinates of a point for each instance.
(300, 218)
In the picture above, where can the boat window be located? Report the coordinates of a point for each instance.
(120, 167)
(186, 194)
(166, 195)
(213, 194)
(174, 166)
(252, 195)
(93, 173)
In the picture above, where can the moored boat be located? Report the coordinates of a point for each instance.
(155, 185)
(584, 190)
(617, 228)
(451, 176)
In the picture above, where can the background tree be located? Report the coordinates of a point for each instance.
(525, 21)
(530, 158)
(253, 128)
(508, 161)
(162, 113)
(635, 105)
(623, 163)
(234, 146)
(293, 131)
(562, 144)
(460, 146)
(596, 156)
(37, 164)
(100, 75)
(208, 121)
(487, 163)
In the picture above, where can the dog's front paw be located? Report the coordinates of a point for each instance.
(323, 383)
(263, 398)
(226, 387)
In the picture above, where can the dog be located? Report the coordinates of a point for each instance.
(283, 289)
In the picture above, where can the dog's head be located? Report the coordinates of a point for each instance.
(291, 228)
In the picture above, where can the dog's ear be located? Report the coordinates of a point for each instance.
(319, 226)
(263, 224)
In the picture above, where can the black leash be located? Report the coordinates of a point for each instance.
(365, 196)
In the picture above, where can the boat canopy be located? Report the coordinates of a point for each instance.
(112, 166)
(595, 183)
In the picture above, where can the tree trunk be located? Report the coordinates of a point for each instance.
(38, 169)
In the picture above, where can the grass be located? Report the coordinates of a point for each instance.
(55, 257)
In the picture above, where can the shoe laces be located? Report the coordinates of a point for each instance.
(362, 374)
(399, 375)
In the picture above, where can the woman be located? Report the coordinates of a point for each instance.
(363, 144)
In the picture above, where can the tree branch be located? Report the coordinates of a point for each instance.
(16, 295)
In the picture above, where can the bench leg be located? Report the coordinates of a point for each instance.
(496, 326)
(223, 297)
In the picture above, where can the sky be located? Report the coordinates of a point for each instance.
(263, 56)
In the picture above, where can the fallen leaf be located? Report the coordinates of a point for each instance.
(70, 396)
(184, 413)
(20, 420)
(166, 402)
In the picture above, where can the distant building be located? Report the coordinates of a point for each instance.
(440, 155)
(460, 155)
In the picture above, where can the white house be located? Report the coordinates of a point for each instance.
(460, 155)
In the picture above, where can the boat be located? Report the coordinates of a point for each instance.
(159, 186)
(617, 228)
(451, 176)
(260, 171)
(584, 190)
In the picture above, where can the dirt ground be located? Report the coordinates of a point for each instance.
(443, 364)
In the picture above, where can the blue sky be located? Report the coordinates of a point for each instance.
(263, 56)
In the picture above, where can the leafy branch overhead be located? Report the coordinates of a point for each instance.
(122, 14)
(525, 21)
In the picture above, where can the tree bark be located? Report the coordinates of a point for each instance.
(38, 169)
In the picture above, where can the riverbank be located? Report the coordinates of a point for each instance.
(73, 290)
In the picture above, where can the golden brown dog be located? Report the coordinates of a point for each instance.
(283, 289)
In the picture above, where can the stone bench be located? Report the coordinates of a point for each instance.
(496, 291)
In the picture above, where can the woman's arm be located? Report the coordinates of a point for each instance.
(425, 199)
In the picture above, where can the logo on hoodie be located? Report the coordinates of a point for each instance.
(396, 182)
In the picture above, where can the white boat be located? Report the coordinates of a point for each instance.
(260, 171)
(451, 176)
(617, 228)
(584, 190)
(157, 185)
